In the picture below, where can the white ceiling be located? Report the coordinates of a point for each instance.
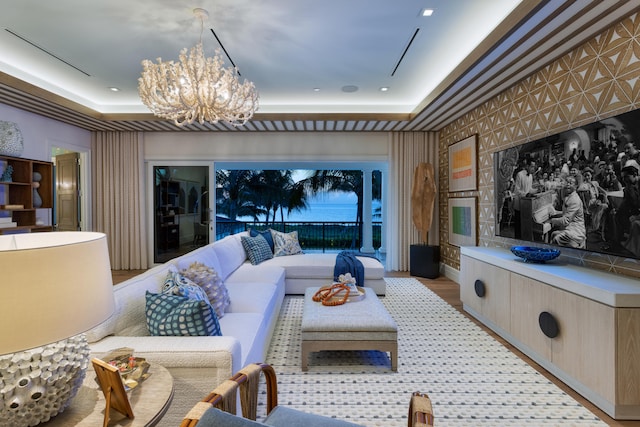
(77, 49)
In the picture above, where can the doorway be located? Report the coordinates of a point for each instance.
(67, 212)
(71, 211)
(181, 211)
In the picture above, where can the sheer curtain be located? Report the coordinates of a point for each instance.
(408, 149)
(118, 196)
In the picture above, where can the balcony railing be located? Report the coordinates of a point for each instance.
(316, 236)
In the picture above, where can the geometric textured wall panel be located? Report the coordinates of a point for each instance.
(597, 80)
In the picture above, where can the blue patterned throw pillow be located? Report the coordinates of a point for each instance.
(176, 284)
(173, 315)
(266, 234)
(285, 243)
(257, 249)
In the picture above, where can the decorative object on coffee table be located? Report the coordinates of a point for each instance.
(43, 365)
(113, 388)
(11, 141)
(535, 255)
(37, 200)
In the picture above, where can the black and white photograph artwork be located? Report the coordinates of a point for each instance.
(577, 189)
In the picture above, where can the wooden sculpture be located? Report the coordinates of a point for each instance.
(423, 196)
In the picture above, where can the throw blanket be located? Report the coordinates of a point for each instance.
(346, 262)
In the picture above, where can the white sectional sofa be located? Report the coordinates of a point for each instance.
(256, 293)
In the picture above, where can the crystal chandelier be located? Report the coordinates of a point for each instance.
(196, 88)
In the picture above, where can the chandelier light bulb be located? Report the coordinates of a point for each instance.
(196, 88)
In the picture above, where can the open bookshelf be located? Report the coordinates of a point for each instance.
(17, 211)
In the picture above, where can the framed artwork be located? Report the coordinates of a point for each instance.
(462, 221)
(113, 388)
(463, 164)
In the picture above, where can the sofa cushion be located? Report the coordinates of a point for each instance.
(257, 249)
(230, 253)
(285, 243)
(129, 317)
(206, 255)
(320, 266)
(207, 278)
(214, 417)
(281, 416)
(266, 234)
(173, 315)
(252, 297)
(250, 329)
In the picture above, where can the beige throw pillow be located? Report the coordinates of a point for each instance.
(207, 278)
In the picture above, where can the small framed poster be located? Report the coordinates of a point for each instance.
(463, 164)
(113, 388)
(462, 221)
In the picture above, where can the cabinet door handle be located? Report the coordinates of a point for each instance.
(548, 324)
(479, 288)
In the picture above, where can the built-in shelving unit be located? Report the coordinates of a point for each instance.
(16, 196)
(167, 219)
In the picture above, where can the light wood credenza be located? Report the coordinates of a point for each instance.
(591, 321)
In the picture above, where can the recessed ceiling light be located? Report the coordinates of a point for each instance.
(316, 89)
(114, 89)
(350, 88)
(427, 12)
(384, 89)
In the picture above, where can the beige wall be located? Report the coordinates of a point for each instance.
(41, 133)
(600, 79)
(256, 146)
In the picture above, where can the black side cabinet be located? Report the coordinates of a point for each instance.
(424, 261)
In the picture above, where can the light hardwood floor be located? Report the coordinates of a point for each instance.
(450, 292)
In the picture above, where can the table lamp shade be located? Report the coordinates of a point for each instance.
(54, 286)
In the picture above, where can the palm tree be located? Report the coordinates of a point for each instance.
(346, 181)
(235, 197)
(276, 191)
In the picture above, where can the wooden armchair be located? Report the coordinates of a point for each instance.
(219, 407)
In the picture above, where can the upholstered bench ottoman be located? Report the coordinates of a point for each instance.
(361, 325)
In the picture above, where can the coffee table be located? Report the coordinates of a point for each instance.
(149, 402)
(361, 325)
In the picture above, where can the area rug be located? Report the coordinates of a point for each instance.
(472, 379)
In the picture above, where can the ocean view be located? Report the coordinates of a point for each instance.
(326, 207)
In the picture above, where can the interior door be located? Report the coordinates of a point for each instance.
(67, 190)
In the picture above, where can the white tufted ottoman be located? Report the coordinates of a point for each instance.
(361, 325)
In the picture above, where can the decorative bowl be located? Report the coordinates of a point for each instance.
(535, 255)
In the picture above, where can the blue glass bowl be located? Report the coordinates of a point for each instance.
(533, 254)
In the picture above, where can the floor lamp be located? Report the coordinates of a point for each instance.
(55, 286)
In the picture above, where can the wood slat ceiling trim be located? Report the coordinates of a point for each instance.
(549, 40)
(558, 27)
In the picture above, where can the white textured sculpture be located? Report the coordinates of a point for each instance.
(38, 384)
(11, 142)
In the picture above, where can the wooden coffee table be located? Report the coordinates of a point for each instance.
(149, 402)
(362, 325)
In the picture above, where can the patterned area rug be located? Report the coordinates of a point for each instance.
(472, 379)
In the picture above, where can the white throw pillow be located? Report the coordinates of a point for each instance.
(285, 243)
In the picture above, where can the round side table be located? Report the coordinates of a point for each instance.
(149, 402)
